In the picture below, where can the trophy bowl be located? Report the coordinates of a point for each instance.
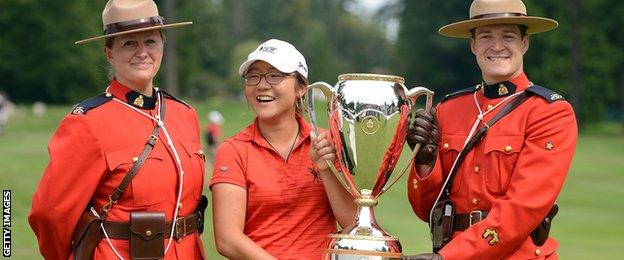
(368, 118)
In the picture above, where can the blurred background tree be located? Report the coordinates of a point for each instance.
(583, 59)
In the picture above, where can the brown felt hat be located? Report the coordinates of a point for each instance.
(130, 16)
(491, 12)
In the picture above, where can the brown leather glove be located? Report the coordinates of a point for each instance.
(425, 131)
(428, 256)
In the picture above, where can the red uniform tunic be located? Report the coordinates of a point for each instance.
(288, 212)
(90, 153)
(516, 172)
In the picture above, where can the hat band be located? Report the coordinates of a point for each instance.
(134, 24)
(496, 15)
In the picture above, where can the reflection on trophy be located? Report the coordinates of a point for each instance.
(368, 117)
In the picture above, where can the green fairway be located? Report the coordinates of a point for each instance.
(589, 224)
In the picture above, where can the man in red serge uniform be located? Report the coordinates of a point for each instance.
(499, 201)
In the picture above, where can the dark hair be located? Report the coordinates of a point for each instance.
(110, 40)
(523, 30)
(299, 106)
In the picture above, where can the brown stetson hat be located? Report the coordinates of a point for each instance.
(130, 16)
(490, 12)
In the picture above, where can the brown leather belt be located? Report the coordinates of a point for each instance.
(182, 226)
(462, 222)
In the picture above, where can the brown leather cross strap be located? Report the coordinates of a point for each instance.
(182, 226)
(149, 145)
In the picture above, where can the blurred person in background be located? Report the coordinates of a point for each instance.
(273, 194)
(499, 202)
(128, 160)
(212, 133)
(6, 109)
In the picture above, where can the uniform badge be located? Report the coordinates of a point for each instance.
(492, 235)
(78, 111)
(555, 96)
(138, 101)
(549, 146)
(502, 90)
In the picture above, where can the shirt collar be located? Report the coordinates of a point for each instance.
(505, 88)
(252, 132)
(132, 97)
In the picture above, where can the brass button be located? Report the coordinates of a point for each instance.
(475, 201)
(157, 117)
(415, 183)
(180, 206)
(489, 107)
(538, 252)
(135, 159)
(476, 169)
(508, 148)
(445, 146)
(148, 233)
(200, 152)
(109, 94)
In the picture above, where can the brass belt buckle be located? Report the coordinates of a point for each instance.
(475, 216)
(180, 232)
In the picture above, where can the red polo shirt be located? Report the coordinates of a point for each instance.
(288, 212)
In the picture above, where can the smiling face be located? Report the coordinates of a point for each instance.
(272, 102)
(499, 50)
(136, 58)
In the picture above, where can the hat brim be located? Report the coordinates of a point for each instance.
(158, 27)
(462, 29)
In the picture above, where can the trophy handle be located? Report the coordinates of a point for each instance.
(328, 93)
(413, 95)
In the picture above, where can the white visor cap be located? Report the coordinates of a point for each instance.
(281, 55)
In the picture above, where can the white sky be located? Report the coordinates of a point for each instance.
(371, 6)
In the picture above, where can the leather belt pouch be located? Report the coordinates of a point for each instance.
(147, 235)
(442, 225)
(86, 236)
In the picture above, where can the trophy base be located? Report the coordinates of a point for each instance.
(364, 239)
(363, 247)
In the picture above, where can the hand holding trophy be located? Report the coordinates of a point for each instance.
(368, 117)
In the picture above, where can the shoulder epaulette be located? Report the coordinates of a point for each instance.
(165, 94)
(84, 106)
(545, 93)
(458, 93)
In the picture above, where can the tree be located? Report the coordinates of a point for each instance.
(38, 58)
(426, 58)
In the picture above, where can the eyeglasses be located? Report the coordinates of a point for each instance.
(273, 78)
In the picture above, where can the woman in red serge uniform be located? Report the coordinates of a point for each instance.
(99, 142)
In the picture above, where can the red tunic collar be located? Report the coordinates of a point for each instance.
(132, 97)
(505, 88)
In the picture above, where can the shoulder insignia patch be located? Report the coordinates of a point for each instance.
(167, 95)
(545, 93)
(84, 106)
(458, 93)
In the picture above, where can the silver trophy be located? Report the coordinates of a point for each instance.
(368, 118)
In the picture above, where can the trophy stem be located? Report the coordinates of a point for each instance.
(364, 239)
